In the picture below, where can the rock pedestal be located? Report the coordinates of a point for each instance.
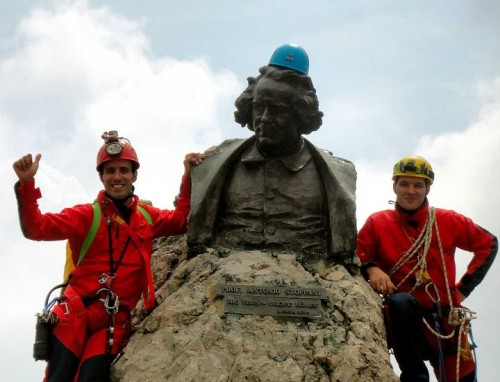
(189, 337)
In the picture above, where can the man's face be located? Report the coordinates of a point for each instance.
(410, 192)
(117, 178)
(274, 120)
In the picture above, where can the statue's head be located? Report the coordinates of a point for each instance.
(279, 106)
(279, 99)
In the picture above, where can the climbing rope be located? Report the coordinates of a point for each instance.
(458, 316)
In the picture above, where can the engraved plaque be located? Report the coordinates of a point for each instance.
(271, 300)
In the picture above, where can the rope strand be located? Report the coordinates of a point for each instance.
(457, 317)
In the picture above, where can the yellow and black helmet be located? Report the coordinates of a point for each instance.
(414, 166)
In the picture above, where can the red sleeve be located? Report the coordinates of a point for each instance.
(70, 222)
(365, 247)
(483, 245)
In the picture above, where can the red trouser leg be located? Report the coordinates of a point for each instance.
(69, 336)
(94, 363)
(81, 334)
(449, 346)
(96, 360)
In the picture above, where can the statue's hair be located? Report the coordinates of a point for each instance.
(306, 105)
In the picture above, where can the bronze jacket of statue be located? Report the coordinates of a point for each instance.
(338, 176)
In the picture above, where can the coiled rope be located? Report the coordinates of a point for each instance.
(458, 316)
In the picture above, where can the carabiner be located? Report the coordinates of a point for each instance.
(437, 300)
(111, 301)
(105, 279)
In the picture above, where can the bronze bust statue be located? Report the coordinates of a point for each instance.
(275, 190)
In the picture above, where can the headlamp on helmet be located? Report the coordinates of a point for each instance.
(116, 147)
(114, 143)
(413, 166)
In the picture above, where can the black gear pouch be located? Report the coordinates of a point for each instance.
(43, 328)
(43, 331)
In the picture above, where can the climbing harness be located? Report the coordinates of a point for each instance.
(106, 295)
(458, 317)
(111, 301)
(89, 238)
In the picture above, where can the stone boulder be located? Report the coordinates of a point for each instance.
(188, 337)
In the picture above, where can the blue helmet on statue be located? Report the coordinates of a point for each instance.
(291, 56)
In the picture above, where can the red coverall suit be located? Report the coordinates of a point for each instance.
(384, 238)
(118, 260)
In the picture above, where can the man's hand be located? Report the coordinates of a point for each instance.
(380, 281)
(25, 168)
(190, 160)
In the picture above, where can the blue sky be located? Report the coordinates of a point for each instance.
(393, 78)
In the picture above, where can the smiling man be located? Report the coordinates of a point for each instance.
(91, 321)
(408, 257)
(117, 178)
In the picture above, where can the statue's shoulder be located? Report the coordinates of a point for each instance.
(227, 145)
(332, 160)
(342, 161)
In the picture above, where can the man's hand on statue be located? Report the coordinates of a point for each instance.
(26, 168)
(380, 281)
(190, 160)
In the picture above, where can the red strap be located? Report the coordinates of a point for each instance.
(149, 290)
(75, 301)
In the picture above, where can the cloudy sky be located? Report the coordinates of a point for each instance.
(393, 78)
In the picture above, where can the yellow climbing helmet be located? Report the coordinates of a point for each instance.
(414, 166)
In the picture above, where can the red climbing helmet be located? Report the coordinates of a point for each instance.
(115, 147)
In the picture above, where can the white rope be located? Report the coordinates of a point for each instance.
(460, 317)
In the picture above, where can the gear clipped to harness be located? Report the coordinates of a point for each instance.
(43, 329)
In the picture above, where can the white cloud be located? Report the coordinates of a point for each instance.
(76, 72)
(466, 181)
(465, 164)
(81, 71)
